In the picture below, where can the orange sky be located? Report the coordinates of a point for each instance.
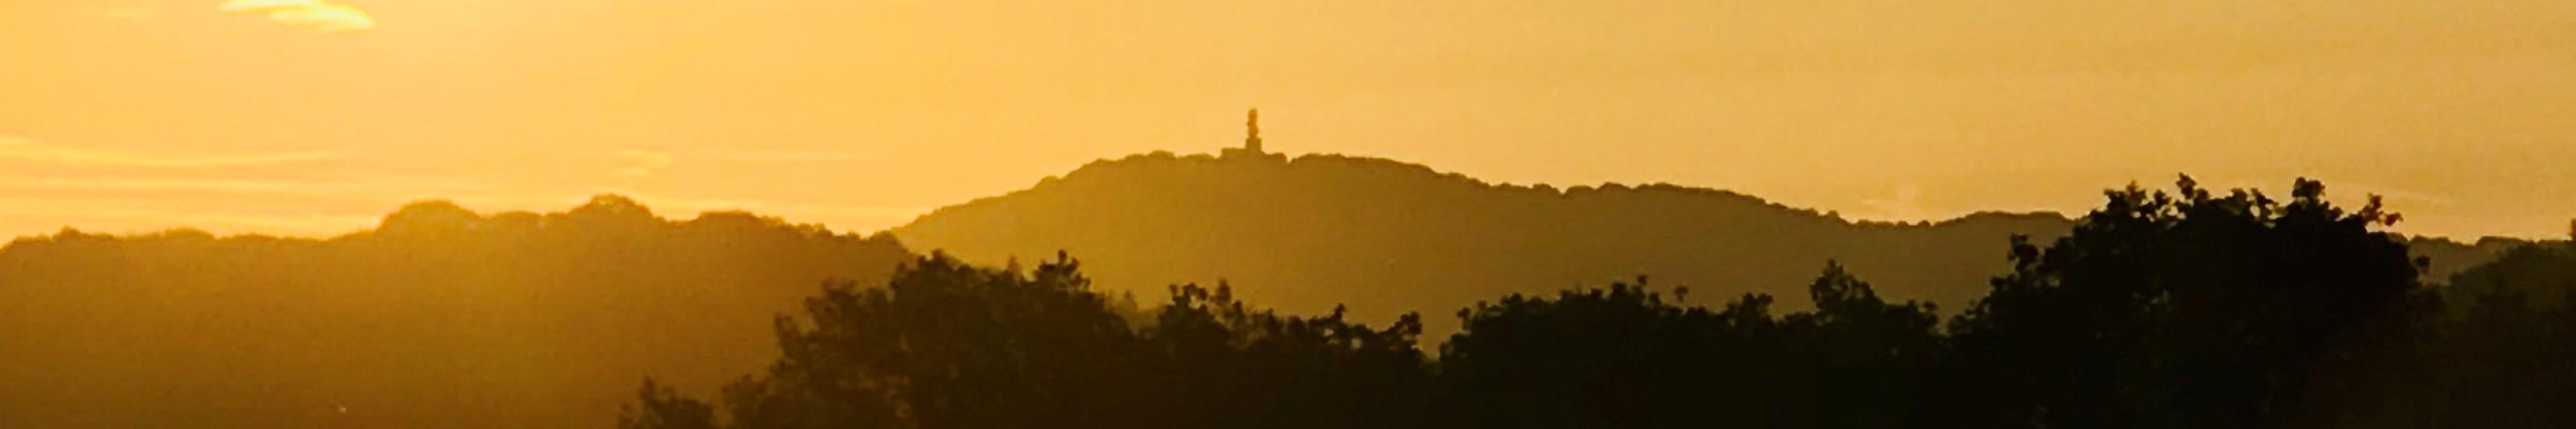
(315, 117)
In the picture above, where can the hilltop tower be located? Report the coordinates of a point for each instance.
(1251, 149)
(1252, 131)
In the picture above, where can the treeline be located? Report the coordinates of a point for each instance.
(2184, 309)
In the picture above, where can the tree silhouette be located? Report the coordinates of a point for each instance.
(1242, 368)
(2498, 360)
(2181, 310)
(1626, 357)
(662, 408)
(1869, 355)
(947, 345)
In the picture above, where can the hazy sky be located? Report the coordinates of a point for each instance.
(309, 117)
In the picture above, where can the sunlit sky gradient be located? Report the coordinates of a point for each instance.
(314, 117)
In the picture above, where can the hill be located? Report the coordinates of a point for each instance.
(2446, 259)
(2541, 275)
(443, 317)
(1385, 237)
(440, 318)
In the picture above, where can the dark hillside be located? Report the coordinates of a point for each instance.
(440, 318)
(1385, 236)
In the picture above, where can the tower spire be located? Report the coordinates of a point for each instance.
(1252, 131)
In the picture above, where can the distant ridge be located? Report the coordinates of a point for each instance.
(439, 318)
(1384, 236)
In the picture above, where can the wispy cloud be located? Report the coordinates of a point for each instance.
(846, 217)
(316, 15)
(780, 156)
(141, 217)
(1905, 204)
(2396, 195)
(311, 206)
(684, 204)
(319, 188)
(120, 13)
(24, 150)
(641, 163)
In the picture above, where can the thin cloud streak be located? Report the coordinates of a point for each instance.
(126, 217)
(641, 162)
(299, 188)
(781, 156)
(845, 217)
(121, 13)
(30, 151)
(316, 15)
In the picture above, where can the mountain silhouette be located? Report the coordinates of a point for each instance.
(1384, 237)
(440, 317)
(444, 317)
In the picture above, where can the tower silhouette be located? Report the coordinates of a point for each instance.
(1252, 131)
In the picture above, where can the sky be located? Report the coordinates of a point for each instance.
(314, 118)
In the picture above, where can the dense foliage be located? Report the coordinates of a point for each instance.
(2187, 309)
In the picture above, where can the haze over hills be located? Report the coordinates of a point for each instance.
(2445, 259)
(440, 318)
(1386, 237)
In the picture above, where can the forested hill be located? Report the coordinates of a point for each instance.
(1385, 237)
(2446, 258)
(443, 317)
(440, 318)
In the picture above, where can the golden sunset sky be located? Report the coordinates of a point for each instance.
(308, 117)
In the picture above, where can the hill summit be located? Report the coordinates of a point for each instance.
(440, 317)
(1385, 237)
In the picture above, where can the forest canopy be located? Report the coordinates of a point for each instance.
(2187, 308)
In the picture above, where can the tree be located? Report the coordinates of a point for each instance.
(2182, 310)
(1237, 367)
(1870, 356)
(1617, 357)
(2498, 359)
(662, 408)
(1626, 357)
(947, 345)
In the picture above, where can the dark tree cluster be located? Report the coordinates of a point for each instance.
(1627, 357)
(2188, 309)
(947, 345)
(2499, 358)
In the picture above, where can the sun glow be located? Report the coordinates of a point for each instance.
(316, 15)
